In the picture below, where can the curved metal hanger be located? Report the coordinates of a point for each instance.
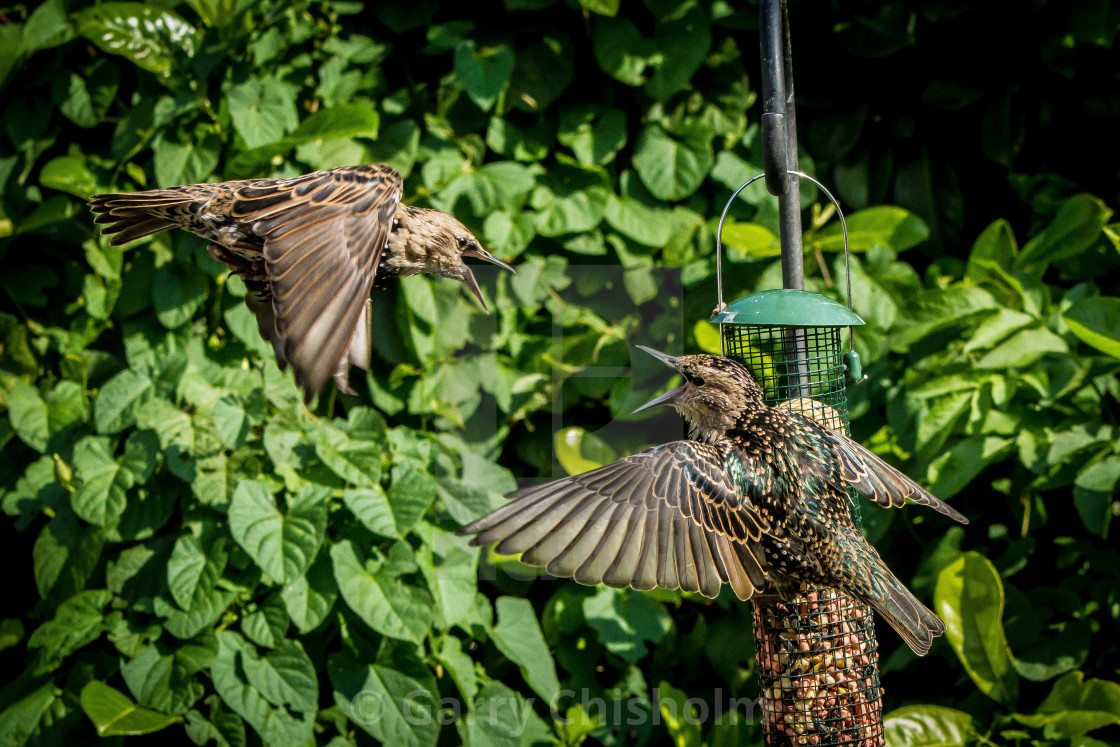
(719, 246)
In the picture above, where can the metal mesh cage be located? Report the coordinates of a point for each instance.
(817, 656)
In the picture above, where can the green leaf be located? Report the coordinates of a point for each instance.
(336, 123)
(65, 555)
(969, 597)
(884, 225)
(459, 666)
(450, 566)
(1075, 706)
(625, 621)
(47, 27)
(152, 38)
(268, 624)
(11, 633)
(1022, 349)
(189, 162)
(192, 571)
(506, 720)
(937, 308)
(749, 241)
(357, 461)
(113, 714)
(1094, 493)
(389, 705)
(189, 623)
(410, 495)
(1096, 322)
(621, 50)
(518, 636)
(285, 676)
(681, 718)
(309, 599)
(69, 174)
(683, 44)
(595, 135)
(387, 605)
(1075, 228)
(28, 414)
(21, 720)
(484, 72)
(282, 544)
(372, 508)
(394, 515)
(177, 293)
(928, 726)
(263, 111)
(166, 682)
(77, 623)
(671, 169)
(638, 215)
(578, 450)
(228, 672)
(100, 497)
(115, 406)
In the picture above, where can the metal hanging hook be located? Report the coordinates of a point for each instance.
(847, 258)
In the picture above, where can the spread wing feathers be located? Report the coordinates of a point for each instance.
(323, 237)
(881, 482)
(127, 217)
(665, 517)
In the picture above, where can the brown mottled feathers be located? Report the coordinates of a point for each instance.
(881, 482)
(323, 238)
(665, 517)
(308, 248)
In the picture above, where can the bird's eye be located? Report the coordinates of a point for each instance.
(698, 381)
(462, 242)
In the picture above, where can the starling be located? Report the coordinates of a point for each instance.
(309, 249)
(757, 493)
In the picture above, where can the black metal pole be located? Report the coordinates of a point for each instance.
(779, 135)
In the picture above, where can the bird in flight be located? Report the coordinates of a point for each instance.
(309, 249)
(756, 493)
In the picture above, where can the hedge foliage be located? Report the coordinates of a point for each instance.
(196, 553)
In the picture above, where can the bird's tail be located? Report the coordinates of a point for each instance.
(127, 217)
(916, 623)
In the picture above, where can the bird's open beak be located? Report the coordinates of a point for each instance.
(668, 360)
(479, 253)
(667, 398)
(670, 396)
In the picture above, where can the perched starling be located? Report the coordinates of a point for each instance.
(758, 493)
(309, 249)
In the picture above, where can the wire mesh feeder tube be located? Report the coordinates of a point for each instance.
(817, 655)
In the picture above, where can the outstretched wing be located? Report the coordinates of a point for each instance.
(666, 517)
(323, 236)
(881, 482)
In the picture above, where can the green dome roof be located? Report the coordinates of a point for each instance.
(787, 308)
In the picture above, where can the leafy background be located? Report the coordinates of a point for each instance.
(196, 554)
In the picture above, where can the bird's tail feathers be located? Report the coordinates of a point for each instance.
(916, 623)
(131, 216)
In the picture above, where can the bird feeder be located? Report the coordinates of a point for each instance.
(817, 656)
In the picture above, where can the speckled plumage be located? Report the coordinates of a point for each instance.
(309, 249)
(758, 493)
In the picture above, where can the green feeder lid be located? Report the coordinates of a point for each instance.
(787, 308)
